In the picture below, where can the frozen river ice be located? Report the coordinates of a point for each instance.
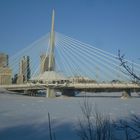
(25, 117)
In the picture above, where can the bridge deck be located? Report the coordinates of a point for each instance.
(39, 86)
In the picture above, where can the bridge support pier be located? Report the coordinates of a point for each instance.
(126, 94)
(50, 93)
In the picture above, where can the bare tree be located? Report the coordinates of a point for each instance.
(130, 127)
(94, 126)
(129, 70)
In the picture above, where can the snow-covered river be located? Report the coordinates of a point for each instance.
(26, 118)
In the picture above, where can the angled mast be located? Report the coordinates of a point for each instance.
(51, 65)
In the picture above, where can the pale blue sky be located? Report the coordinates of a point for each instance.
(107, 24)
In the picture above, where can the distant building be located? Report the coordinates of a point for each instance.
(20, 79)
(3, 60)
(5, 71)
(81, 79)
(44, 62)
(24, 70)
(5, 76)
(14, 79)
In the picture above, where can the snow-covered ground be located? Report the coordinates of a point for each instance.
(26, 118)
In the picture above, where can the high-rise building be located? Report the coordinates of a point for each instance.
(24, 70)
(5, 71)
(3, 60)
(44, 61)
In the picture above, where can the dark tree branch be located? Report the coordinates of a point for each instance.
(128, 69)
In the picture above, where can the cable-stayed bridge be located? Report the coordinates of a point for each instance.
(61, 63)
